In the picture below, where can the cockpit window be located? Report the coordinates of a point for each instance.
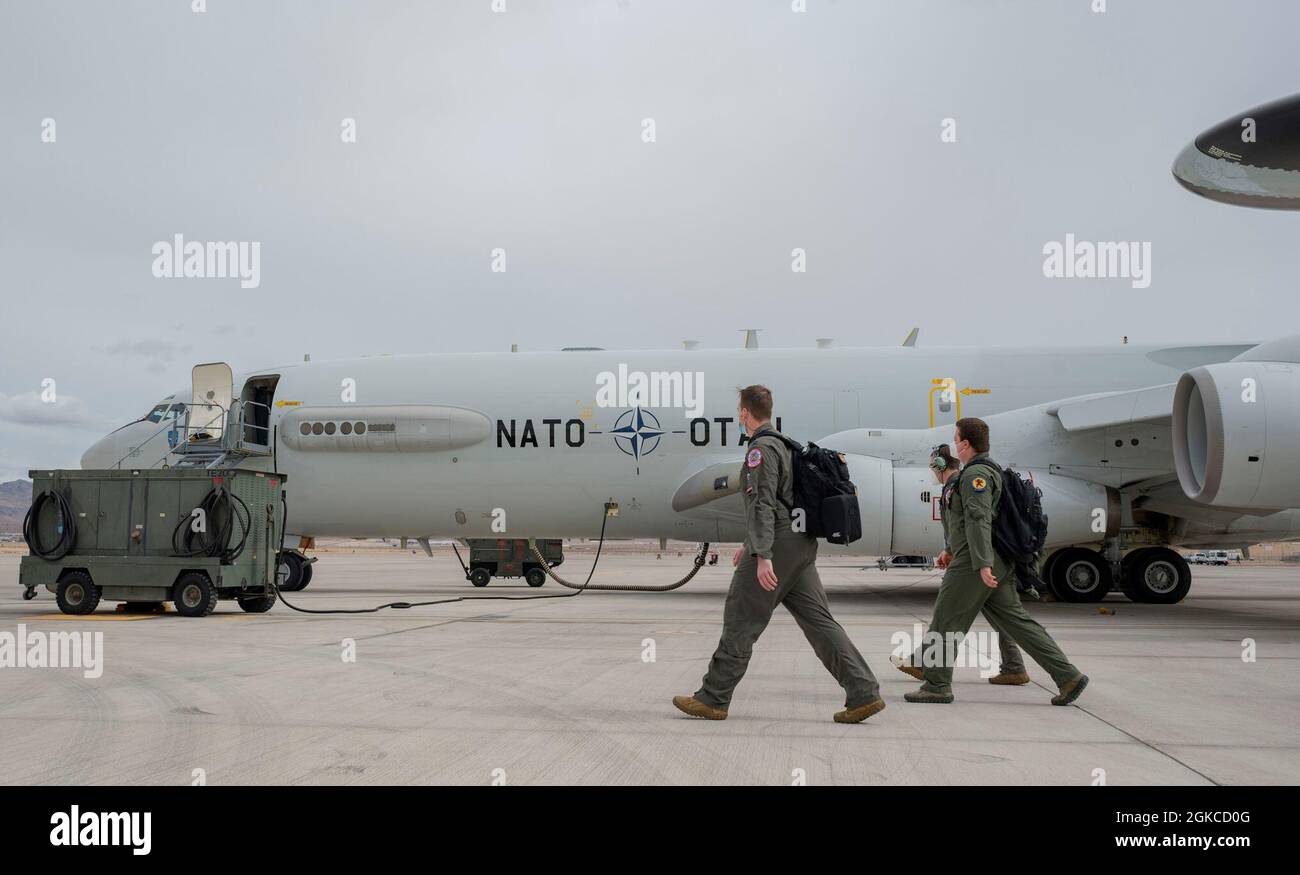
(166, 410)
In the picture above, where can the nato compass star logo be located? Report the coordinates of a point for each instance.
(637, 433)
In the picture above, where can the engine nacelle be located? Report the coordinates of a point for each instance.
(874, 479)
(1236, 432)
(901, 512)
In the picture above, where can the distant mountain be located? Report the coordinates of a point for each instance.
(15, 498)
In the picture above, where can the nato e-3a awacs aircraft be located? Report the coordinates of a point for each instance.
(1137, 449)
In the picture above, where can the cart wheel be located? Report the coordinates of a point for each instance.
(257, 604)
(535, 576)
(77, 593)
(194, 595)
(480, 576)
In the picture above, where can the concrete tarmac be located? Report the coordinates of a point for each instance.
(577, 691)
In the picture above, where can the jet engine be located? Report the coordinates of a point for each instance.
(901, 511)
(1236, 431)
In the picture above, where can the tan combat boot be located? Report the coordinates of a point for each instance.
(912, 671)
(860, 713)
(1010, 679)
(1070, 690)
(696, 708)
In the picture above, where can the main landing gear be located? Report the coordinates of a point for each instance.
(1156, 575)
(1152, 575)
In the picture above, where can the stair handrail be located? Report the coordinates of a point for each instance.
(173, 426)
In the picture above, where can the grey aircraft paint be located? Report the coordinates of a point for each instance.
(453, 442)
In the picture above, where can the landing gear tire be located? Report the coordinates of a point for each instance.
(77, 593)
(535, 576)
(194, 595)
(257, 604)
(480, 576)
(1080, 575)
(1156, 575)
(1046, 573)
(294, 572)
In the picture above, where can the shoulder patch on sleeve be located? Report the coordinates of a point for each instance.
(754, 458)
(979, 484)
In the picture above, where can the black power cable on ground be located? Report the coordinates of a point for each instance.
(405, 605)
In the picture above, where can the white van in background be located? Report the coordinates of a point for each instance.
(1211, 557)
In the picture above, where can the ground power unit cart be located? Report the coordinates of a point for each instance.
(203, 522)
(189, 536)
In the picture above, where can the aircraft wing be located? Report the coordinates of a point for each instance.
(1113, 409)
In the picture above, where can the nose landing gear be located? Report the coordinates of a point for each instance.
(294, 572)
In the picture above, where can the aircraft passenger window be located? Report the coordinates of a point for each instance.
(329, 428)
(317, 428)
(346, 428)
(361, 428)
(305, 428)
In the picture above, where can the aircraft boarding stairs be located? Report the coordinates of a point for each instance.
(212, 437)
(239, 440)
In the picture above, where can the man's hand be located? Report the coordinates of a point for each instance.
(740, 551)
(942, 562)
(766, 576)
(986, 575)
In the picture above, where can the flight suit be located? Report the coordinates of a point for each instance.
(766, 482)
(968, 528)
(1009, 657)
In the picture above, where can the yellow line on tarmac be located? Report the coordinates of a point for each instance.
(98, 618)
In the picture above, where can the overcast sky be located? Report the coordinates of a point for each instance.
(523, 130)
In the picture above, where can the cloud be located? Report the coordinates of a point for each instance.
(156, 351)
(29, 409)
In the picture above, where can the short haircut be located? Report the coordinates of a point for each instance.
(758, 401)
(976, 431)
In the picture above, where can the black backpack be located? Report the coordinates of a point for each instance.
(1019, 526)
(823, 490)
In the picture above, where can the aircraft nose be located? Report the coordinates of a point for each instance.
(100, 454)
(111, 449)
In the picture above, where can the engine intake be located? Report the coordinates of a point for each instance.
(901, 510)
(1236, 431)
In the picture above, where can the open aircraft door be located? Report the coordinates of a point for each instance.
(213, 391)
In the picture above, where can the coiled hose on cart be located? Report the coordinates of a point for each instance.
(67, 527)
(577, 589)
(219, 503)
